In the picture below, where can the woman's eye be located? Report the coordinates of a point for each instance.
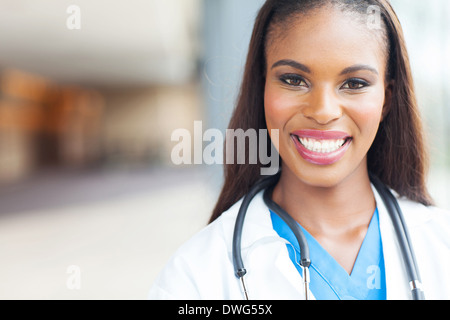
(355, 84)
(293, 80)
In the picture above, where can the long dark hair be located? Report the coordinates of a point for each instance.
(397, 156)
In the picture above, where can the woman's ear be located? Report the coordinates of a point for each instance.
(387, 99)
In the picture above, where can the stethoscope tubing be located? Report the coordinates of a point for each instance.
(239, 268)
(305, 260)
(404, 239)
(386, 195)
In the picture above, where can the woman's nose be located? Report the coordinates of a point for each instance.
(323, 106)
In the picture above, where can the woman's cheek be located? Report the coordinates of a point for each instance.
(367, 117)
(278, 111)
(278, 108)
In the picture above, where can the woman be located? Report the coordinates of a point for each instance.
(338, 88)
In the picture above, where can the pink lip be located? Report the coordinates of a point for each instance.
(319, 158)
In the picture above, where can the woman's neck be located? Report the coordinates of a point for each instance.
(343, 208)
(337, 217)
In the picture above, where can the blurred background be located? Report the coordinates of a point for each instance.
(91, 205)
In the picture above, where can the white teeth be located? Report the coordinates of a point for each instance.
(322, 146)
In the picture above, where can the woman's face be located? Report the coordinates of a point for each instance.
(325, 92)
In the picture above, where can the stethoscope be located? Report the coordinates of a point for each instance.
(392, 206)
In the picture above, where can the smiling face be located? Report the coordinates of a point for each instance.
(325, 92)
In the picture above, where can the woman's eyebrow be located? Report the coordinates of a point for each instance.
(358, 67)
(302, 67)
(291, 63)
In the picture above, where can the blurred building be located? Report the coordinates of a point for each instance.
(108, 93)
(98, 85)
(43, 124)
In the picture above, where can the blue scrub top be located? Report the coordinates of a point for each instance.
(329, 280)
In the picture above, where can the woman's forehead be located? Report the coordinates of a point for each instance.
(326, 35)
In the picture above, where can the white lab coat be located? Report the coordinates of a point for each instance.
(202, 269)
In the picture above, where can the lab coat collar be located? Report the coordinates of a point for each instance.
(258, 233)
(396, 276)
(396, 281)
